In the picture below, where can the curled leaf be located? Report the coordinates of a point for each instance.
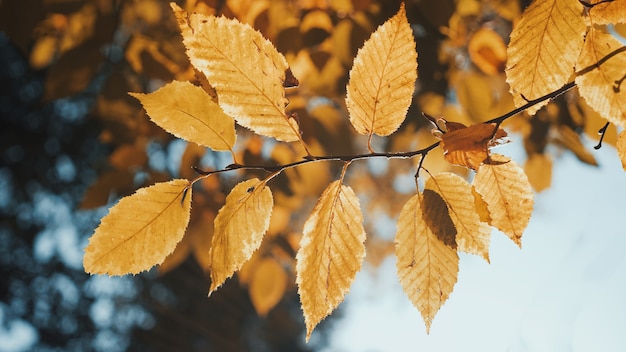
(545, 44)
(141, 230)
(508, 195)
(427, 267)
(331, 253)
(469, 146)
(188, 112)
(245, 69)
(382, 78)
(239, 229)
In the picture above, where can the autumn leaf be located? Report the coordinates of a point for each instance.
(427, 267)
(538, 168)
(267, 286)
(508, 194)
(469, 146)
(188, 112)
(544, 47)
(607, 12)
(382, 78)
(245, 69)
(472, 235)
(602, 87)
(141, 230)
(621, 148)
(331, 253)
(239, 228)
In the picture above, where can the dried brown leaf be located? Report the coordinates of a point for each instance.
(427, 267)
(469, 146)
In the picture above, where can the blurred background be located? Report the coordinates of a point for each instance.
(72, 142)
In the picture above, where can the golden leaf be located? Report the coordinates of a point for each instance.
(508, 195)
(246, 70)
(239, 228)
(331, 253)
(602, 87)
(621, 148)
(471, 237)
(267, 286)
(141, 230)
(188, 112)
(382, 78)
(487, 51)
(608, 12)
(469, 146)
(538, 168)
(544, 47)
(427, 267)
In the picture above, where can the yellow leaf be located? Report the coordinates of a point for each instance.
(538, 168)
(188, 112)
(427, 267)
(602, 88)
(268, 286)
(471, 237)
(246, 70)
(508, 195)
(543, 49)
(141, 230)
(621, 148)
(382, 78)
(608, 12)
(239, 229)
(331, 253)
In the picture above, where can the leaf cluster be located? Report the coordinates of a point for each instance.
(241, 79)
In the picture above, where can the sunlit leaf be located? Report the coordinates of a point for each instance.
(267, 286)
(188, 112)
(469, 146)
(621, 148)
(239, 229)
(244, 68)
(331, 253)
(382, 78)
(607, 12)
(141, 230)
(471, 237)
(508, 195)
(427, 267)
(544, 46)
(603, 87)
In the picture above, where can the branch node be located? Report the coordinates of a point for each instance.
(602, 133)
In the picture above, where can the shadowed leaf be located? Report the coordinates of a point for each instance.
(427, 267)
(267, 286)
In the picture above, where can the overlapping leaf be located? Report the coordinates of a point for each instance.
(331, 253)
(141, 230)
(472, 235)
(245, 69)
(607, 12)
(427, 267)
(188, 112)
(544, 47)
(382, 78)
(603, 87)
(239, 229)
(508, 194)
